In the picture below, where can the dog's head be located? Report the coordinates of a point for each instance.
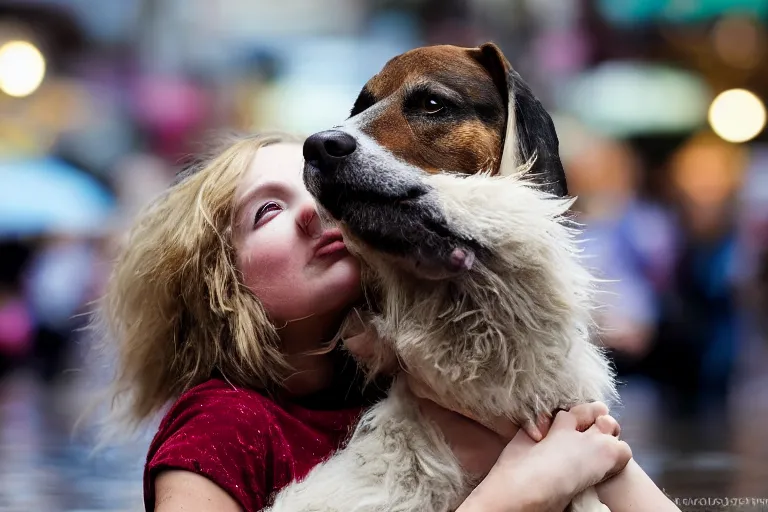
(430, 110)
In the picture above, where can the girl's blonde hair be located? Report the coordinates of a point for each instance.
(176, 305)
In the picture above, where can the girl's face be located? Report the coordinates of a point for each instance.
(299, 271)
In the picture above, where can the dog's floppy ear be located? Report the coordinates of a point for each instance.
(530, 132)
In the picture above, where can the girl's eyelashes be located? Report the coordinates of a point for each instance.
(264, 210)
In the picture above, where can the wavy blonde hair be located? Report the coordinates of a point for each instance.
(175, 304)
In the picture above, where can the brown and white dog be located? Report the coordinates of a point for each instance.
(447, 182)
(438, 109)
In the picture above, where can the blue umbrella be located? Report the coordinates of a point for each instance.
(47, 195)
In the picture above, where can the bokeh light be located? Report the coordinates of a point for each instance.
(22, 68)
(739, 41)
(737, 115)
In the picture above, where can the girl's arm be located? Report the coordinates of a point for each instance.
(632, 490)
(579, 450)
(177, 491)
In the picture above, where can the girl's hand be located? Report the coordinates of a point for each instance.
(580, 450)
(480, 446)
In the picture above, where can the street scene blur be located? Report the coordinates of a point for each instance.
(660, 110)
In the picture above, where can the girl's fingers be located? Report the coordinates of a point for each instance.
(538, 430)
(533, 431)
(611, 451)
(623, 456)
(564, 420)
(585, 415)
(607, 424)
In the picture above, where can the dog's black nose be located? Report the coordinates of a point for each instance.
(326, 150)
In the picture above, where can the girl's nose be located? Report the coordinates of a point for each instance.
(309, 221)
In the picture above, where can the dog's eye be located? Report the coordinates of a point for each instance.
(432, 104)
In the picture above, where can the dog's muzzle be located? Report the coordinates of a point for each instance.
(339, 172)
(384, 203)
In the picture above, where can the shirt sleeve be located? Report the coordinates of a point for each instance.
(220, 436)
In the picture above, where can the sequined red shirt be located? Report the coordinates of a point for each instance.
(246, 443)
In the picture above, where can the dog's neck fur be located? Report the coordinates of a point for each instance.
(512, 336)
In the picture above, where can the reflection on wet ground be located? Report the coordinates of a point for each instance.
(45, 465)
(48, 465)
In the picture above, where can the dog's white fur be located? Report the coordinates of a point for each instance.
(510, 337)
(509, 163)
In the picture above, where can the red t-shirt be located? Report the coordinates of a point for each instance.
(246, 443)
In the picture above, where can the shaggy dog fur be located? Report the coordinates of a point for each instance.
(508, 336)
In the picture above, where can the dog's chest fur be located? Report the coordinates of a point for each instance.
(512, 336)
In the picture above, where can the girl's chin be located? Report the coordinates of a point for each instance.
(343, 281)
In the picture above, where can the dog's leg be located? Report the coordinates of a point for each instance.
(588, 501)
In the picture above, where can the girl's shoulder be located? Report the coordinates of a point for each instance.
(220, 432)
(216, 402)
(244, 441)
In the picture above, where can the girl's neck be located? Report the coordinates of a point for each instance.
(310, 374)
(301, 341)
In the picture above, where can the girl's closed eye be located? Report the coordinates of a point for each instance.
(265, 212)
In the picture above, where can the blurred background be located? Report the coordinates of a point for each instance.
(660, 106)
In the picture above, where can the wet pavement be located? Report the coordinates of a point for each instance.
(48, 461)
(46, 464)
